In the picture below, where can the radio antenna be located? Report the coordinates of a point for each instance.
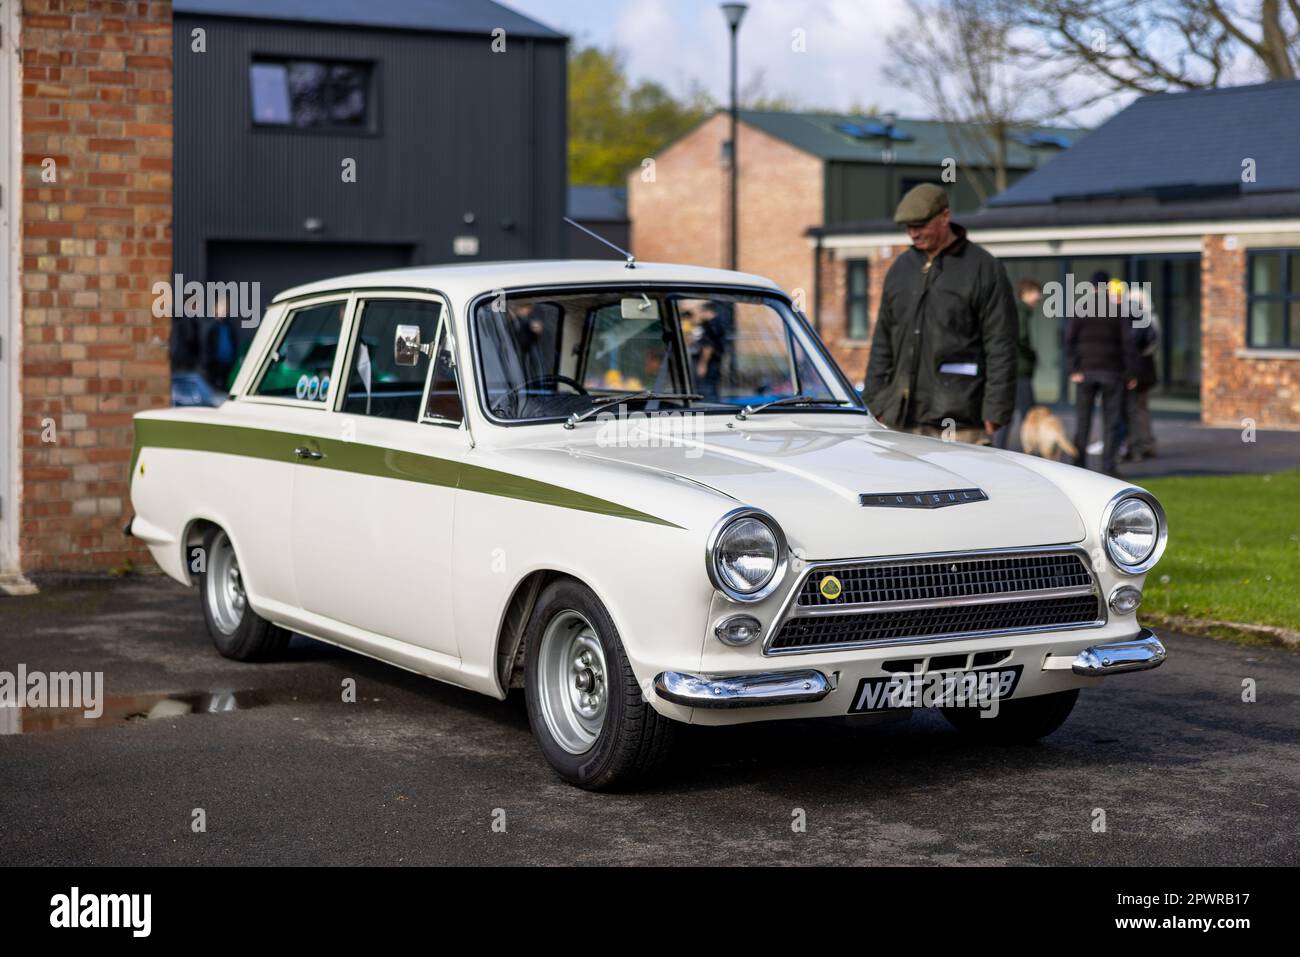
(631, 260)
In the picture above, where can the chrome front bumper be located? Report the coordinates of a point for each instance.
(1142, 653)
(784, 687)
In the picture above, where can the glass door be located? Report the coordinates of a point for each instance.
(1176, 295)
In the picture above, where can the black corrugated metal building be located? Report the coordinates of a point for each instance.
(318, 137)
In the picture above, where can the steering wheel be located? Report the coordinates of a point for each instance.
(555, 378)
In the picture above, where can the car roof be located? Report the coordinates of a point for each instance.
(461, 282)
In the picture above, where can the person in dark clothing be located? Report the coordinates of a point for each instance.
(186, 343)
(1028, 295)
(943, 354)
(1103, 362)
(208, 345)
(716, 332)
(1136, 439)
(220, 345)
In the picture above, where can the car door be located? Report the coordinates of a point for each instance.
(252, 487)
(374, 497)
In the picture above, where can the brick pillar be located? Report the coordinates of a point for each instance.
(1235, 385)
(96, 107)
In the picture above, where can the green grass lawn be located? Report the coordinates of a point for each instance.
(1234, 549)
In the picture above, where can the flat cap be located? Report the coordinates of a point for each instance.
(921, 204)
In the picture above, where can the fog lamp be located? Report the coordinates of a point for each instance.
(1125, 599)
(738, 630)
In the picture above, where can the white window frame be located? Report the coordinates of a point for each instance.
(445, 327)
(445, 330)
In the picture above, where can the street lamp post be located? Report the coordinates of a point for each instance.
(734, 12)
(887, 158)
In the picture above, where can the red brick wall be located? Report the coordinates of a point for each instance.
(682, 215)
(1235, 387)
(851, 355)
(97, 99)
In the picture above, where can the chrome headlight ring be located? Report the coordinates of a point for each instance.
(710, 555)
(1162, 531)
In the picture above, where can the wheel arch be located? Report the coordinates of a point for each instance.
(510, 645)
(196, 529)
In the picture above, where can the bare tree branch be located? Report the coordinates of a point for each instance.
(1148, 46)
(958, 56)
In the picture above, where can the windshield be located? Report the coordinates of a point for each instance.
(543, 356)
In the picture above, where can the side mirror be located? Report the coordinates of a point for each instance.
(407, 347)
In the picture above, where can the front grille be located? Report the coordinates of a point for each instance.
(913, 580)
(820, 631)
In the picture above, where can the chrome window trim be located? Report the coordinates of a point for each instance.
(790, 608)
(1162, 530)
(782, 555)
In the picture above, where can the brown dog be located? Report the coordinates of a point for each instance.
(1043, 435)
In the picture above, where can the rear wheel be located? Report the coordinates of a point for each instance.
(584, 703)
(237, 631)
(1017, 720)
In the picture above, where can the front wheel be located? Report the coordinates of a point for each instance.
(584, 703)
(1017, 720)
(237, 631)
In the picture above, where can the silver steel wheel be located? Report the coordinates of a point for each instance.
(572, 682)
(225, 586)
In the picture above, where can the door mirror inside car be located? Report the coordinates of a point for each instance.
(407, 347)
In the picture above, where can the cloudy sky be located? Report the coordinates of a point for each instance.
(675, 41)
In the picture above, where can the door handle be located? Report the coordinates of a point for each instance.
(305, 453)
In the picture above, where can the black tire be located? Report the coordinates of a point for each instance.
(1018, 720)
(634, 739)
(253, 638)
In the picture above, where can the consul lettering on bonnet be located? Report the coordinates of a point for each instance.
(416, 465)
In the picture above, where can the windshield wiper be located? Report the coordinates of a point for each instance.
(749, 410)
(648, 394)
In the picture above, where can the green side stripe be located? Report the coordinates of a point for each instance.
(368, 460)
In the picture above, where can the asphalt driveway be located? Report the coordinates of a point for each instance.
(1185, 771)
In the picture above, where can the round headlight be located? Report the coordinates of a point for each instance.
(1132, 533)
(746, 556)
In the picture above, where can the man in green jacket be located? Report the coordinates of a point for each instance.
(943, 354)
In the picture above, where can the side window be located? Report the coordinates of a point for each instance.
(858, 322)
(301, 363)
(311, 94)
(377, 385)
(444, 396)
(1273, 299)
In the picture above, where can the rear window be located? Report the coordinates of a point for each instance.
(303, 359)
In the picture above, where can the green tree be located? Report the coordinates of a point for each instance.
(613, 125)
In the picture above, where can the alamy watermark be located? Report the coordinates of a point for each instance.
(651, 430)
(76, 909)
(54, 689)
(208, 300)
(1111, 299)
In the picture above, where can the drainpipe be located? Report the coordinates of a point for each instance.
(817, 285)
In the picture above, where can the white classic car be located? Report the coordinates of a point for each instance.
(646, 494)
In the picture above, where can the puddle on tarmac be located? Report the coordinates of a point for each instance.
(120, 709)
